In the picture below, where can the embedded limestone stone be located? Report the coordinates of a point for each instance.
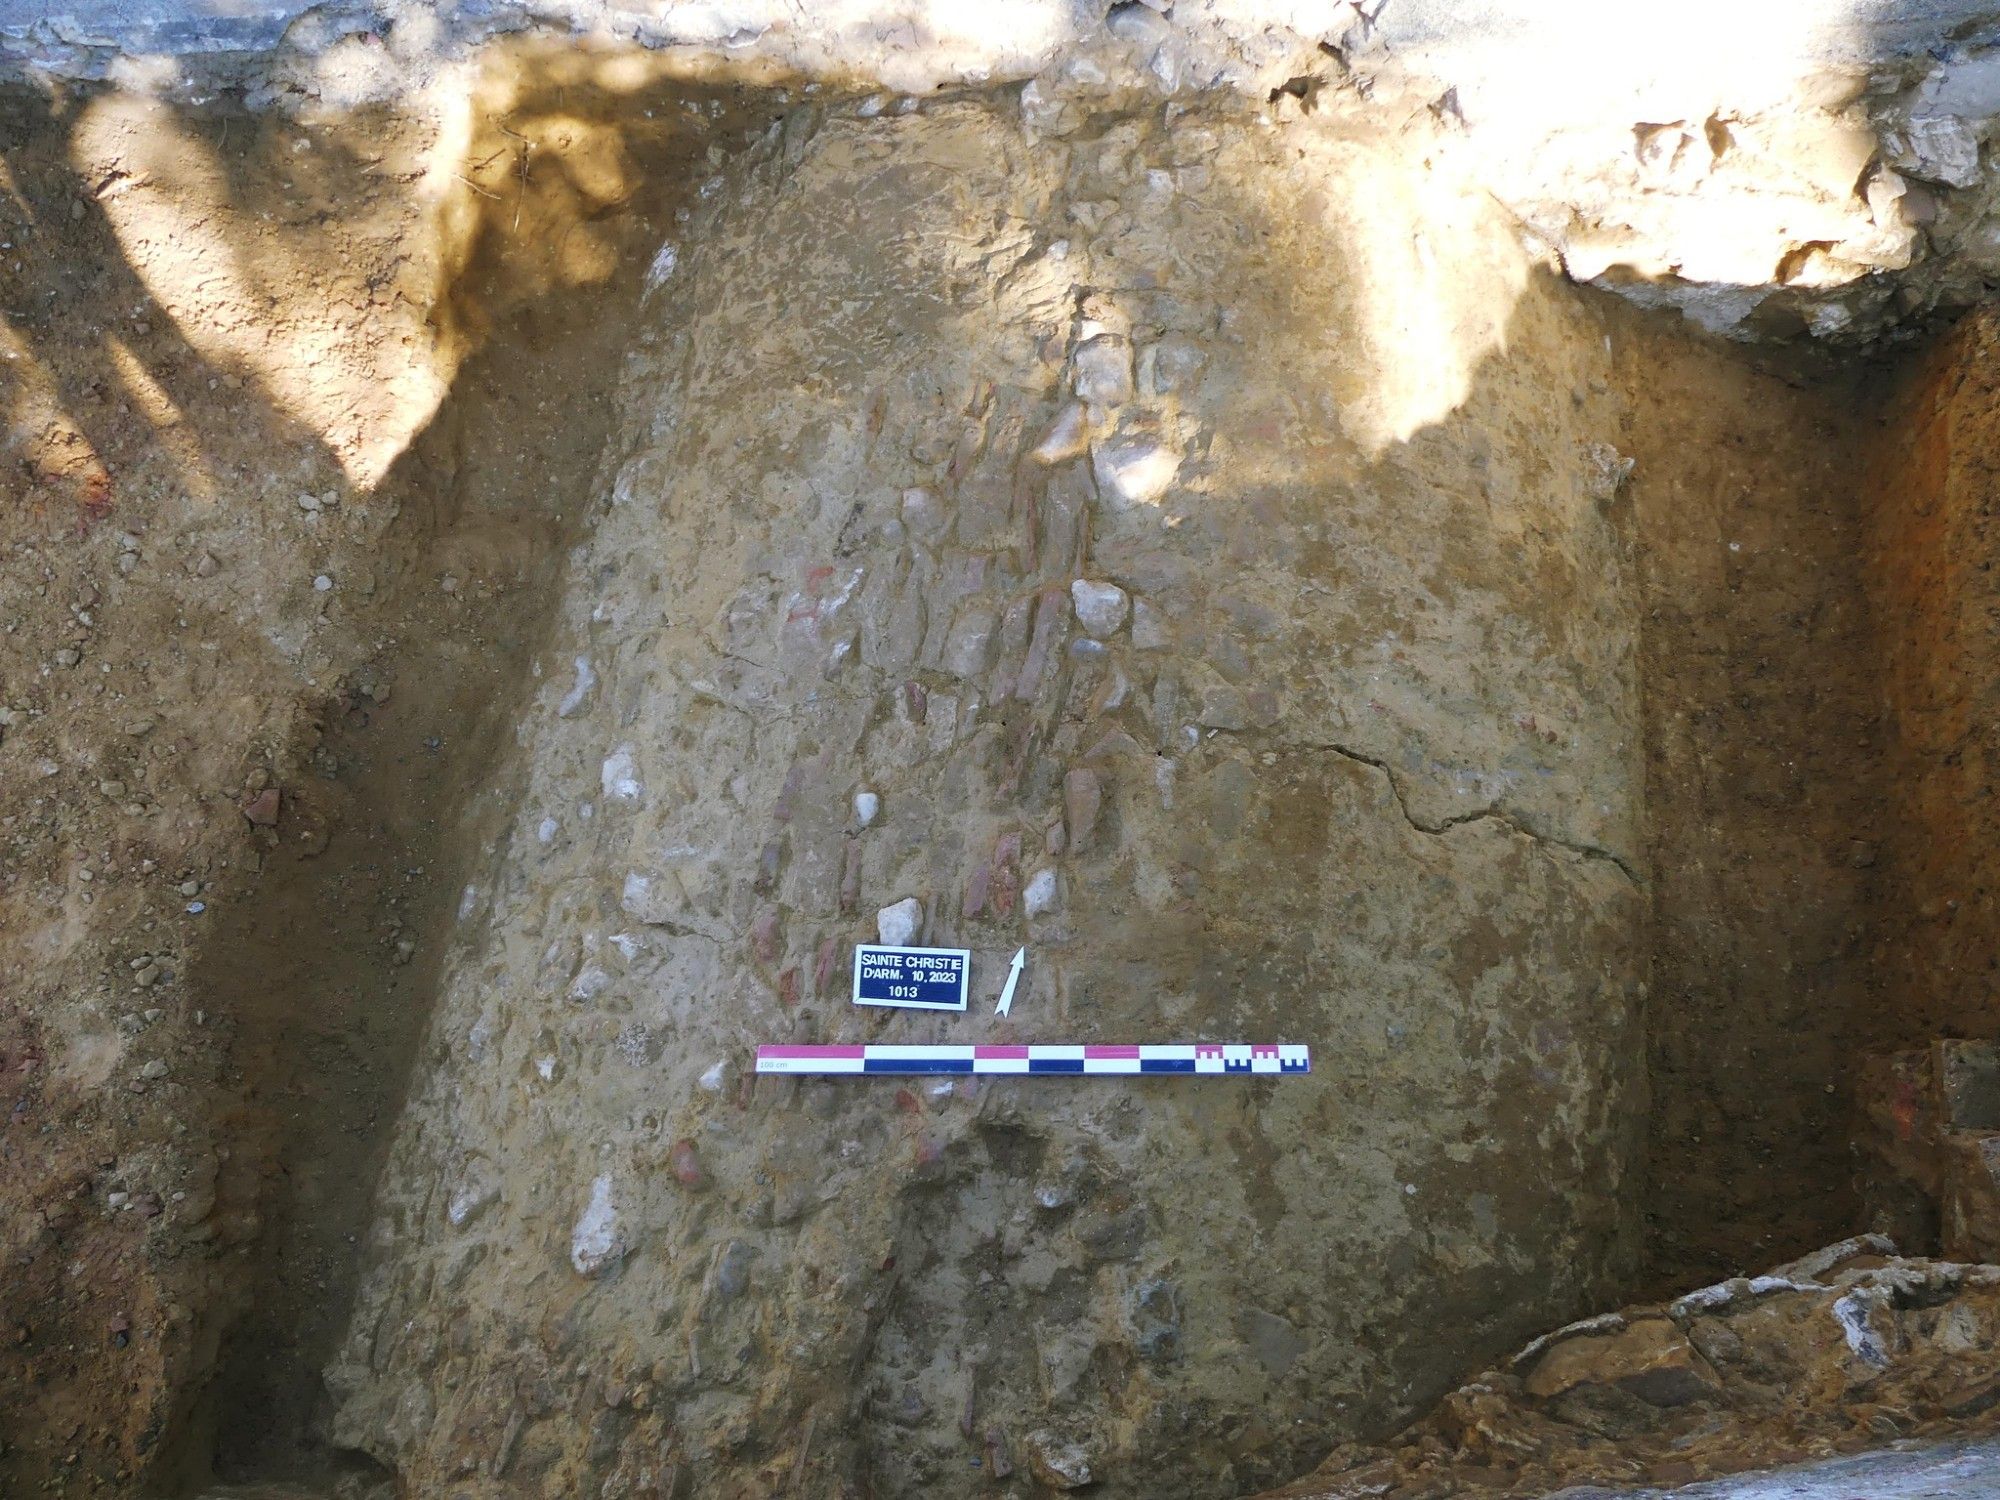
(594, 1243)
(1103, 371)
(896, 925)
(1134, 469)
(1068, 436)
(1101, 608)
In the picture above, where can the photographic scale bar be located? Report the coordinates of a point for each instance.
(1217, 1059)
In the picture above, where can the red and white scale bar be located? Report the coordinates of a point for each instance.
(1226, 1059)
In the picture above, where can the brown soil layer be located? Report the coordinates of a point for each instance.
(210, 1005)
(1764, 747)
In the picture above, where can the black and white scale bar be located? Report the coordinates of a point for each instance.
(1200, 1059)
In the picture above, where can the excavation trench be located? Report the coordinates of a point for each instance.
(1237, 570)
(329, 970)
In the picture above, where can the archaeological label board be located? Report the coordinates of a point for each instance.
(912, 978)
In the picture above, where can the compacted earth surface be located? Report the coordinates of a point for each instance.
(506, 580)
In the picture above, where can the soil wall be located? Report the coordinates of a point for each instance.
(514, 594)
(1762, 678)
(1930, 559)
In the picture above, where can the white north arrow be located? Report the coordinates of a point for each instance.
(1013, 978)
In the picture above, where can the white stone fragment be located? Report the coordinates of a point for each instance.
(1853, 1314)
(1101, 608)
(594, 1245)
(545, 831)
(712, 1079)
(1102, 371)
(1068, 436)
(1600, 1323)
(633, 900)
(866, 806)
(896, 926)
(1040, 894)
(589, 984)
(1133, 470)
(621, 776)
(468, 1201)
(1137, 23)
(1039, 113)
(586, 679)
(663, 266)
(1936, 148)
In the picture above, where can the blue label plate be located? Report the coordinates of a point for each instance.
(911, 978)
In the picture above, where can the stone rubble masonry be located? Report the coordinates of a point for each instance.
(1847, 1349)
(1299, 799)
(1929, 1145)
(1790, 168)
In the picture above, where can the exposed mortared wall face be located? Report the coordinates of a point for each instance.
(1196, 544)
